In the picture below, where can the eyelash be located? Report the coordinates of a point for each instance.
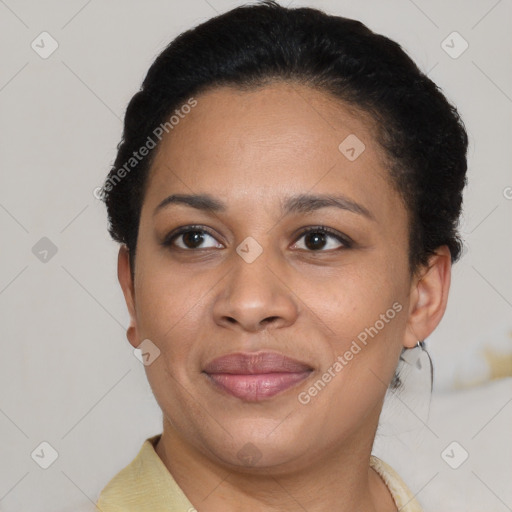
(344, 239)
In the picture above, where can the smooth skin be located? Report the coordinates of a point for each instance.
(303, 296)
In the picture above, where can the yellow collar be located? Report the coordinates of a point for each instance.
(147, 485)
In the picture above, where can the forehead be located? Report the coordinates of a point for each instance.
(279, 138)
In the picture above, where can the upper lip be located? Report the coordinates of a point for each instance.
(256, 363)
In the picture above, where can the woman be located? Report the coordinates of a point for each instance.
(287, 195)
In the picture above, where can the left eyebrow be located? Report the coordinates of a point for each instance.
(306, 203)
(302, 203)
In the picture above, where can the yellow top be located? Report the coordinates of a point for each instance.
(146, 485)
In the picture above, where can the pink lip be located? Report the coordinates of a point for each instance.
(256, 376)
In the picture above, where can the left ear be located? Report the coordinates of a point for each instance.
(429, 296)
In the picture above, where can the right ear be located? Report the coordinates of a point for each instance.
(125, 280)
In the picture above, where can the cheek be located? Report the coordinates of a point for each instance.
(170, 307)
(363, 314)
(350, 297)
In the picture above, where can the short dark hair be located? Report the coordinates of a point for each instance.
(422, 134)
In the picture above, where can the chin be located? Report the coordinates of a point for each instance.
(258, 442)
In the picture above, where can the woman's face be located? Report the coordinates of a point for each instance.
(246, 280)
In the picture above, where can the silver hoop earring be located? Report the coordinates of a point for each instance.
(411, 355)
(414, 357)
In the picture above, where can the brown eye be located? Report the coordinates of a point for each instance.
(322, 239)
(315, 240)
(190, 238)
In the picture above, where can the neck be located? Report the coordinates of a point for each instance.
(339, 481)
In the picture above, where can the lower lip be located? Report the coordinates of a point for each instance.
(254, 388)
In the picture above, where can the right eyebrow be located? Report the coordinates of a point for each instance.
(203, 202)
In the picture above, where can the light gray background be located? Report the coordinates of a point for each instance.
(67, 373)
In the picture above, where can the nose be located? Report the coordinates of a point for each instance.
(255, 296)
